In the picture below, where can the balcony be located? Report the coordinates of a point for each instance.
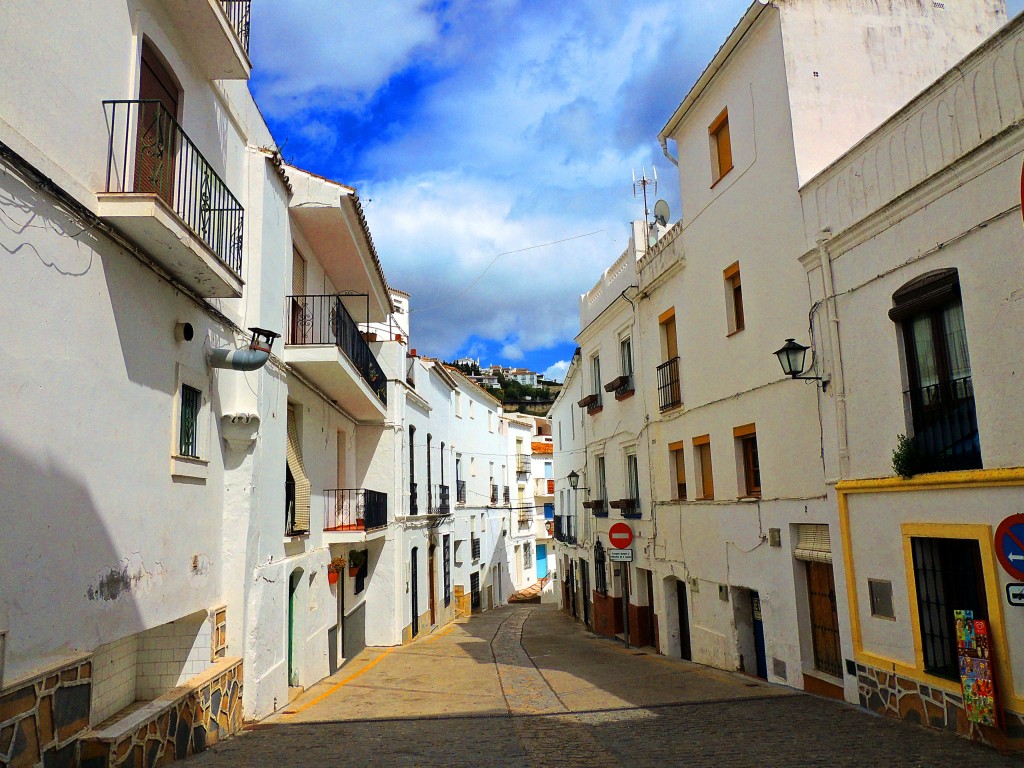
(351, 514)
(628, 508)
(622, 386)
(166, 197)
(543, 487)
(440, 503)
(669, 391)
(217, 33)
(324, 343)
(946, 435)
(599, 507)
(494, 494)
(525, 518)
(506, 496)
(522, 464)
(414, 507)
(460, 491)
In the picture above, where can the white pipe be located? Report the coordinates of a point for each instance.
(838, 383)
(664, 151)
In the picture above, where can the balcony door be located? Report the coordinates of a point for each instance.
(155, 152)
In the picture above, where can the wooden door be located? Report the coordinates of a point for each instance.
(821, 590)
(156, 145)
(414, 577)
(432, 566)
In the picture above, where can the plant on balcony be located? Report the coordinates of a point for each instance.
(356, 560)
(906, 460)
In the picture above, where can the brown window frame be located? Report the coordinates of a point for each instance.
(747, 438)
(702, 454)
(677, 464)
(720, 141)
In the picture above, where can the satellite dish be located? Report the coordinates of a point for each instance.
(661, 213)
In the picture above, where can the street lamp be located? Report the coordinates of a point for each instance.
(574, 479)
(791, 357)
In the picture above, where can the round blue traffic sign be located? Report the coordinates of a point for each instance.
(1010, 545)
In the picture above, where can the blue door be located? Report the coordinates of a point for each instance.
(542, 561)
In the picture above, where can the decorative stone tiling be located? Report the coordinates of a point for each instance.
(180, 723)
(41, 719)
(890, 694)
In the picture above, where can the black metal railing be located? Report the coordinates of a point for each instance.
(474, 590)
(355, 509)
(494, 493)
(525, 518)
(559, 534)
(474, 546)
(626, 387)
(324, 320)
(238, 15)
(413, 500)
(668, 384)
(522, 464)
(945, 426)
(440, 503)
(460, 491)
(149, 153)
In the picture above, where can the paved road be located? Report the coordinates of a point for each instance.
(526, 687)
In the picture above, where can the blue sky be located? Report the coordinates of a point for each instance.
(475, 128)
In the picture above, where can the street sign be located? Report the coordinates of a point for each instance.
(620, 555)
(621, 536)
(1015, 594)
(1010, 545)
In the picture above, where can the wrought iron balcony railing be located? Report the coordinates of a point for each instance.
(475, 548)
(149, 153)
(460, 491)
(559, 534)
(355, 509)
(506, 495)
(522, 464)
(525, 518)
(323, 320)
(669, 394)
(440, 503)
(413, 500)
(238, 14)
(494, 493)
(945, 427)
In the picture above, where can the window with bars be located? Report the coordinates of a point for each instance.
(947, 577)
(600, 570)
(474, 590)
(188, 423)
(527, 555)
(447, 554)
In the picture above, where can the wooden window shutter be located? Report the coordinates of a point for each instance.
(813, 543)
(298, 273)
(302, 485)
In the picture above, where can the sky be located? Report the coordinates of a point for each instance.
(493, 144)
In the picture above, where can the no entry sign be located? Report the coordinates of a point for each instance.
(621, 536)
(1010, 545)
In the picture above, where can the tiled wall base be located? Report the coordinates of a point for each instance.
(462, 602)
(180, 723)
(889, 694)
(41, 719)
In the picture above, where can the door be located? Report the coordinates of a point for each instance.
(821, 589)
(684, 621)
(431, 566)
(572, 589)
(293, 633)
(759, 651)
(542, 561)
(414, 577)
(585, 590)
(158, 109)
(652, 624)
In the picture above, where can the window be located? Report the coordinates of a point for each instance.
(602, 479)
(746, 444)
(413, 497)
(947, 577)
(625, 384)
(702, 458)
(188, 422)
(733, 297)
(471, 409)
(880, 593)
(363, 572)
(297, 485)
(595, 377)
(527, 555)
(669, 394)
(447, 554)
(940, 391)
(490, 420)
(721, 146)
(474, 590)
(633, 481)
(458, 404)
(678, 466)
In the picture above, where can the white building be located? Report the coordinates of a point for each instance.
(913, 265)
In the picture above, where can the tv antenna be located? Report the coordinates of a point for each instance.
(640, 188)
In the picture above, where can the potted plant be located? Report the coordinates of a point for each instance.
(334, 569)
(356, 560)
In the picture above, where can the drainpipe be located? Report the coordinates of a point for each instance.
(664, 150)
(251, 358)
(838, 383)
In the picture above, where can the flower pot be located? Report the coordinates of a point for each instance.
(332, 577)
(353, 571)
(369, 336)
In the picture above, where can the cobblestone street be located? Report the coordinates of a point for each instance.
(525, 686)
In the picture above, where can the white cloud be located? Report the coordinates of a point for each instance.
(556, 372)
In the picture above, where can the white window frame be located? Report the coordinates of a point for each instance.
(197, 468)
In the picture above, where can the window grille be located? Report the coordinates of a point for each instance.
(447, 551)
(191, 402)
